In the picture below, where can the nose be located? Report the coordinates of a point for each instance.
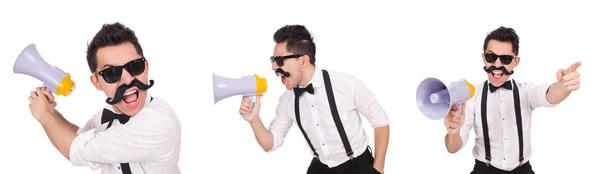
(274, 66)
(126, 78)
(498, 63)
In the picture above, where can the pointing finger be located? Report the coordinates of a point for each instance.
(574, 67)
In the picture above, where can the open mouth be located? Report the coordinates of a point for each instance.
(131, 97)
(497, 74)
(282, 79)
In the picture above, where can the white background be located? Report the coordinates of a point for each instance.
(380, 43)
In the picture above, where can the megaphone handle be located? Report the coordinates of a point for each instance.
(49, 89)
(251, 105)
(459, 107)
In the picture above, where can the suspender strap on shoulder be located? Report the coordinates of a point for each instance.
(336, 115)
(486, 136)
(517, 103)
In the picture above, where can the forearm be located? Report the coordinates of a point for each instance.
(557, 93)
(453, 142)
(60, 132)
(382, 138)
(263, 136)
(70, 125)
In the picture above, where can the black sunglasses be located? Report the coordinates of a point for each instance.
(279, 59)
(505, 59)
(113, 74)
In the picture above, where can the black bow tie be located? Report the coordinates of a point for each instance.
(507, 85)
(300, 91)
(109, 116)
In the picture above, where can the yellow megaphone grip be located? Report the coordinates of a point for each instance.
(471, 89)
(261, 85)
(66, 86)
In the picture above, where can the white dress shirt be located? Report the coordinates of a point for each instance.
(502, 125)
(352, 98)
(149, 142)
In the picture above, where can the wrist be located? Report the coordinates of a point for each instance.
(46, 117)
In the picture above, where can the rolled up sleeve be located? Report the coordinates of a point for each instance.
(367, 105)
(281, 124)
(147, 138)
(537, 95)
(469, 121)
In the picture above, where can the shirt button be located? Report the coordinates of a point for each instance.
(119, 168)
(503, 158)
(500, 100)
(323, 144)
(502, 118)
(311, 105)
(317, 124)
(504, 139)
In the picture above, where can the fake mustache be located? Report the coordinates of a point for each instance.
(121, 90)
(492, 68)
(282, 72)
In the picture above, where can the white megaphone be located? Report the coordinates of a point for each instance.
(434, 98)
(250, 86)
(31, 63)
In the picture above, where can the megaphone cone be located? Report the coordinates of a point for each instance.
(251, 85)
(434, 98)
(31, 63)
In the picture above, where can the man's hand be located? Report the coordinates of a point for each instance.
(569, 77)
(454, 120)
(245, 108)
(41, 103)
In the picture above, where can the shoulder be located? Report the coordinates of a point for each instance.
(335, 75)
(524, 85)
(161, 105)
(343, 81)
(159, 114)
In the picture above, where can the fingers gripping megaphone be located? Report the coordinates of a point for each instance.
(31, 63)
(249, 86)
(434, 98)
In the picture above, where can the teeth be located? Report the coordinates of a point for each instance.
(130, 92)
(497, 72)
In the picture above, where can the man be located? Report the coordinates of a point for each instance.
(135, 133)
(327, 113)
(501, 110)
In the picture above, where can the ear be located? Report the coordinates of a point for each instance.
(305, 60)
(95, 82)
(517, 60)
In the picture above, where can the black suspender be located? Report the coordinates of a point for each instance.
(297, 110)
(486, 138)
(519, 120)
(334, 113)
(125, 166)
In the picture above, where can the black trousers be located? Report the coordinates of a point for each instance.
(482, 168)
(363, 164)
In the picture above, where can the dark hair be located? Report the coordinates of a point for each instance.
(504, 34)
(110, 35)
(298, 39)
